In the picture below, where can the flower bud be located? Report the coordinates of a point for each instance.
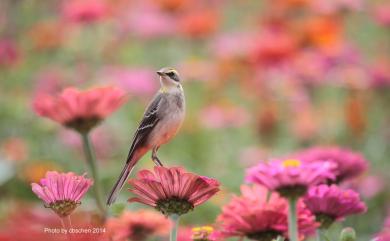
(348, 234)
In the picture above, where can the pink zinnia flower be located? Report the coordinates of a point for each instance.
(80, 110)
(62, 192)
(382, 14)
(384, 235)
(291, 178)
(336, 6)
(330, 203)
(380, 74)
(274, 46)
(137, 226)
(145, 20)
(368, 186)
(223, 116)
(349, 164)
(84, 11)
(254, 216)
(184, 234)
(172, 190)
(138, 82)
(9, 53)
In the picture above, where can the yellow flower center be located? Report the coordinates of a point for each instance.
(291, 163)
(201, 233)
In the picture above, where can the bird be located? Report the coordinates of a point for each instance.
(161, 121)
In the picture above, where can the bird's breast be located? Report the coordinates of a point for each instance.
(169, 124)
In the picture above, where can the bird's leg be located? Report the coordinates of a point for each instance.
(155, 158)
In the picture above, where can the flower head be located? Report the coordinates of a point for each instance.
(349, 164)
(184, 234)
(291, 178)
(137, 226)
(9, 53)
(254, 216)
(137, 82)
(330, 203)
(382, 14)
(274, 46)
(84, 11)
(223, 116)
(62, 192)
(384, 235)
(199, 24)
(80, 110)
(172, 190)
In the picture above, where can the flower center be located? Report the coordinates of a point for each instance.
(139, 232)
(83, 125)
(294, 191)
(291, 163)
(324, 219)
(201, 233)
(268, 235)
(174, 205)
(63, 208)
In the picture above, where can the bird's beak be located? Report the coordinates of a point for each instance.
(160, 73)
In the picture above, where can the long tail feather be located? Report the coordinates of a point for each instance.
(120, 182)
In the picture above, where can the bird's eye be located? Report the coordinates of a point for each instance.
(173, 76)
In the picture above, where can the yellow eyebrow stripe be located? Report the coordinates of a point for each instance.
(172, 70)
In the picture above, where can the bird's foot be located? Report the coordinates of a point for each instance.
(157, 161)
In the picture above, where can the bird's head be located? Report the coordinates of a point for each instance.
(169, 78)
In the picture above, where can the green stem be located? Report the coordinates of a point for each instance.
(91, 161)
(292, 219)
(318, 235)
(175, 226)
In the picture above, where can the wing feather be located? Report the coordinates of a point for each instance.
(149, 120)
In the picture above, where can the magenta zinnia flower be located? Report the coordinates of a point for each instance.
(349, 164)
(172, 190)
(330, 203)
(80, 110)
(62, 192)
(254, 216)
(291, 178)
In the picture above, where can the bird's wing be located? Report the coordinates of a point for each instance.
(148, 122)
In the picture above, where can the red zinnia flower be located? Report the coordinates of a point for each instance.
(137, 226)
(62, 191)
(330, 203)
(80, 110)
(254, 216)
(172, 190)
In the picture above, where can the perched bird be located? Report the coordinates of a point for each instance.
(161, 121)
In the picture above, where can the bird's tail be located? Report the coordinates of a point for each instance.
(120, 182)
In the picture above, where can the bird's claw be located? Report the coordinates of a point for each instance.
(157, 161)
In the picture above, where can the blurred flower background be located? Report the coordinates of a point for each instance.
(263, 80)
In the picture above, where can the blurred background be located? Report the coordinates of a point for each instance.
(263, 79)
